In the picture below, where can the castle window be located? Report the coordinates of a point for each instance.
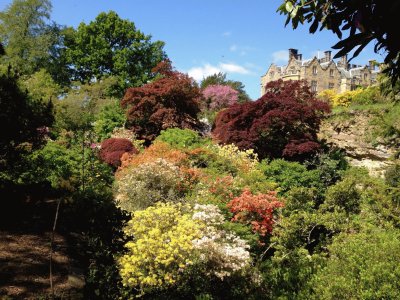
(365, 76)
(331, 85)
(314, 70)
(314, 86)
(331, 73)
(271, 74)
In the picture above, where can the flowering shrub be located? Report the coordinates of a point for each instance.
(258, 210)
(219, 96)
(155, 151)
(112, 149)
(244, 160)
(327, 95)
(161, 249)
(221, 253)
(345, 99)
(142, 186)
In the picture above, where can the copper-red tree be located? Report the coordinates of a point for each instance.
(172, 100)
(112, 149)
(282, 123)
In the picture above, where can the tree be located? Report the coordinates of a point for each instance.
(219, 96)
(26, 34)
(167, 102)
(111, 46)
(24, 123)
(220, 79)
(113, 148)
(282, 123)
(366, 21)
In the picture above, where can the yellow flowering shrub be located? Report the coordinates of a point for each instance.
(327, 95)
(162, 246)
(344, 99)
(243, 160)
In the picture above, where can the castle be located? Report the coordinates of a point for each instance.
(322, 73)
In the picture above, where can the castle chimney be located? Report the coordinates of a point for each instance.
(300, 57)
(328, 56)
(292, 53)
(343, 61)
(371, 64)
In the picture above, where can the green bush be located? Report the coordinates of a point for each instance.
(365, 265)
(290, 174)
(182, 138)
(109, 117)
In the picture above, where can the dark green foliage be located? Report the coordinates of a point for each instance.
(111, 46)
(24, 126)
(289, 175)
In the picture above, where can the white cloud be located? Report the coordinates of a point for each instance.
(233, 48)
(234, 68)
(280, 56)
(227, 33)
(198, 73)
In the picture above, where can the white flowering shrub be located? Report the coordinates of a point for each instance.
(221, 253)
(140, 187)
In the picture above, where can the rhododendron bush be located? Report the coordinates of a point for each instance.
(171, 100)
(282, 123)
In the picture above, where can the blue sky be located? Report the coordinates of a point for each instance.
(238, 37)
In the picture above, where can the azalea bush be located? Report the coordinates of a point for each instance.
(221, 253)
(140, 187)
(161, 247)
(257, 210)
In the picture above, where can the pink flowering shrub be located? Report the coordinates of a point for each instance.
(220, 96)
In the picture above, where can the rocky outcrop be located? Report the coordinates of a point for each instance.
(351, 131)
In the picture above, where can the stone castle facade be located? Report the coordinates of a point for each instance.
(322, 73)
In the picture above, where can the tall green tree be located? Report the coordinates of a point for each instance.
(26, 34)
(364, 21)
(111, 46)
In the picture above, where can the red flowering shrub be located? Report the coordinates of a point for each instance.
(257, 210)
(282, 123)
(170, 101)
(113, 148)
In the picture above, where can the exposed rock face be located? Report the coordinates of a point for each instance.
(352, 134)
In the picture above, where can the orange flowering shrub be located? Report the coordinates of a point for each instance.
(257, 210)
(155, 151)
